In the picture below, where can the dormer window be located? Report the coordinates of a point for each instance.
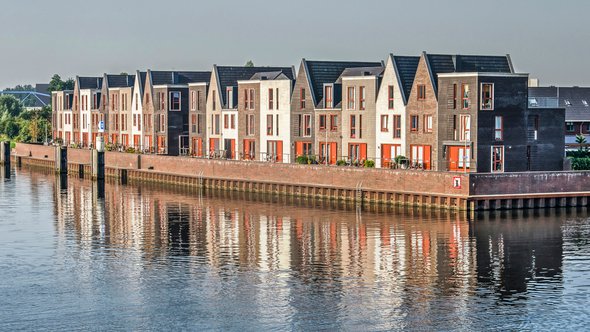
(328, 96)
(567, 102)
(230, 97)
(533, 102)
(585, 103)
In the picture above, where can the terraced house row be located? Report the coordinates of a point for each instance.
(440, 112)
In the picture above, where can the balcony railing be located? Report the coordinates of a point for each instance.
(543, 102)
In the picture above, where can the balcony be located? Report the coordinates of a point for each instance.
(543, 102)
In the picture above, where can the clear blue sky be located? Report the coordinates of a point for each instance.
(548, 39)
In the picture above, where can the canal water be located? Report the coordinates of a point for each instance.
(77, 256)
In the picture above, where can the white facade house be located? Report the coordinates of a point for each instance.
(137, 113)
(275, 111)
(392, 99)
(86, 117)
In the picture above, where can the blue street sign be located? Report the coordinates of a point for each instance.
(101, 126)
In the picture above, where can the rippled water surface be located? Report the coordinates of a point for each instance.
(78, 256)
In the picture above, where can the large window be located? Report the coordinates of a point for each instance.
(333, 122)
(414, 123)
(428, 123)
(362, 98)
(271, 99)
(390, 100)
(498, 128)
(229, 94)
(384, 123)
(328, 97)
(226, 121)
(350, 97)
(421, 92)
(193, 100)
(397, 126)
(497, 159)
(175, 101)
(252, 99)
(353, 126)
(465, 127)
(269, 124)
(250, 124)
(322, 122)
(307, 125)
(465, 96)
(487, 96)
(193, 122)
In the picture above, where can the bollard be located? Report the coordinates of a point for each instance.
(97, 165)
(122, 176)
(61, 160)
(5, 153)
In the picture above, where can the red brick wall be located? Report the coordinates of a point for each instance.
(80, 156)
(35, 151)
(340, 177)
(121, 160)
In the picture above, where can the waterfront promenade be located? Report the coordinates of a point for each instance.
(436, 189)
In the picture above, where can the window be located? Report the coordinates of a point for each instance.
(233, 121)
(307, 125)
(414, 123)
(428, 123)
(397, 126)
(175, 101)
(270, 99)
(350, 97)
(421, 92)
(384, 123)
(136, 102)
(94, 101)
(567, 102)
(252, 99)
(229, 94)
(498, 128)
(353, 126)
(464, 160)
(497, 159)
(269, 125)
(585, 103)
(487, 97)
(533, 102)
(362, 98)
(162, 101)
(162, 122)
(455, 96)
(302, 99)
(569, 126)
(214, 101)
(390, 102)
(333, 122)
(217, 124)
(250, 124)
(328, 97)
(193, 122)
(199, 123)
(465, 127)
(277, 94)
(277, 122)
(193, 101)
(465, 95)
(533, 127)
(360, 126)
(134, 120)
(322, 122)
(226, 121)
(199, 100)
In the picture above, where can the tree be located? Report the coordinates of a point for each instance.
(581, 141)
(10, 105)
(249, 64)
(57, 84)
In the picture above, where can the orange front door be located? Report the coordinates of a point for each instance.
(459, 158)
(136, 141)
(298, 149)
(385, 155)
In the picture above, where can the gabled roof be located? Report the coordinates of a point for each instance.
(439, 64)
(575, 109)
(89, 82)
(361, 71)
(230, 75)
(405, 68)
(271, 75)
(322, 72)
(179, 77)
(119, 81)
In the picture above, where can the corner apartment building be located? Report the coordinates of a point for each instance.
(61, 102)
(317, 96)
(394, 93)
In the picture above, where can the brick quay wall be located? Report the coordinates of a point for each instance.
(463, 191)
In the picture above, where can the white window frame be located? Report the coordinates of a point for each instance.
(170, 101)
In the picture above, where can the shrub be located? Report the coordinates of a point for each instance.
(341, 162)
(580, 164)
(301, 159)
(311, 160)
(370, 163)
(130, 150)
